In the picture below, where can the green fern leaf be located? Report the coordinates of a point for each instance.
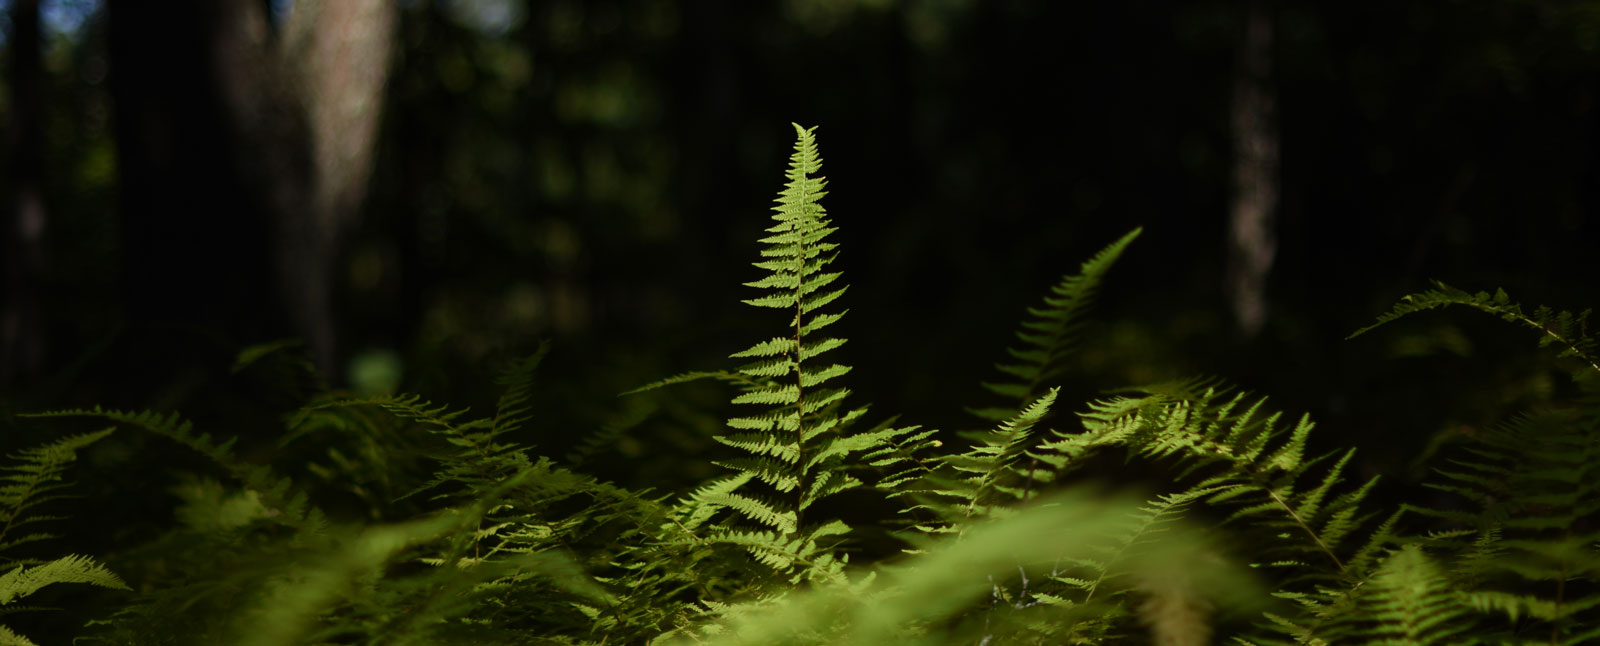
(799, 441)
(33, 479)
(1255, 460)
(23, 581)
(1050, 335)
(513, 408)
(1535, 485)
(9, 638)
(1412, 602)
(1567, 330)
(290, 506)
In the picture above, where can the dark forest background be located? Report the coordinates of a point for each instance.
(420, 191)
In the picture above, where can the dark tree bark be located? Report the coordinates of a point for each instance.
(196, 220)
(22, 231)
(243, 154)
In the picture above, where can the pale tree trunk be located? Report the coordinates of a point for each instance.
(1252, 242)
(22, 332)
(338, 52)
(245, 158)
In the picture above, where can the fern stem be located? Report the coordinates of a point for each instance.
(1287, 508)
(800, 408)
(1570, 344)
(799, 371)
(1561, 593)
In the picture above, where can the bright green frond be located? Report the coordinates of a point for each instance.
(775, 515)
(1255, 463)
(23, 581)
(996, 470)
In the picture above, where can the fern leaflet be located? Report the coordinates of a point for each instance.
(1050, 335)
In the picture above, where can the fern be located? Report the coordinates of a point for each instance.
(35, 479)
(1252, 460)
(1531, 484)
(993, 473)
(1051, 333)
(289, 506)
(22, 581)
(791, 447)
(1564, 329)
(1524, 544)
(531, 511)
(1410, 601)
(924, 598)
(799, 449)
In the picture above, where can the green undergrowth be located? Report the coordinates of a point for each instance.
(397, 520)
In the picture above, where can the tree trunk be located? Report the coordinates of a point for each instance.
(1252, 242)
(244, 154)
(338, 54)
(22, 333)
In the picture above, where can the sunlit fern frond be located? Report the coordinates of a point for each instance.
(22, 580)
(995, 472)
(797, 448)
(1252, 461)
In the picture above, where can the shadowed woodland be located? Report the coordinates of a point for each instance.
(238, 210)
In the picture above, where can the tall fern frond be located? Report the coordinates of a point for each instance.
(1050, 334)
(789, 442)
(798, 447)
